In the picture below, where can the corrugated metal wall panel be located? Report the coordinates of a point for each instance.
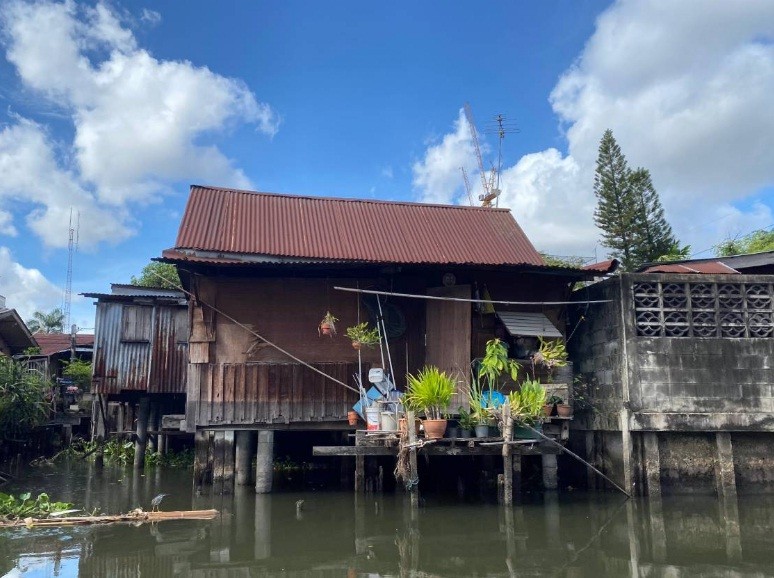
(156, 366)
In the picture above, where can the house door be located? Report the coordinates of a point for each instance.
(447, 338)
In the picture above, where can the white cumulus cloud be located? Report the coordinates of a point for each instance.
(139, 123)
(26, 290)
(686, 88)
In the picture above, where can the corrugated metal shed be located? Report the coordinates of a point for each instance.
(243, 222)
(528, 324)
(141, 344)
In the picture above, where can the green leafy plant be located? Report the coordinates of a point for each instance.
(526, 403)
(554, 399)
(23, 506)
(23, 406)
(118, 452)
(361, 334)
(466, 419)
(480, 406)
(79, 371)
(430, 392)
(496, 362)
(551, 354)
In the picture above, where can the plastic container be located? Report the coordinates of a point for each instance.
(372, 415)
(389, 421)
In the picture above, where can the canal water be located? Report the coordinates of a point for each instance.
(327, 534)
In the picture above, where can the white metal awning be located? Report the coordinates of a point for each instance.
(528, 324)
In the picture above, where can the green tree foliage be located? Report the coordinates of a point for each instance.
(80, 372)
(755, 242)
(155, 274)
(557, 261)
(22, 399)
(676, 253)
(51, 322)
(629, 211)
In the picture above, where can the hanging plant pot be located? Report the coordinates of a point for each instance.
(325, 328)
(357, 345)
(352, 417)
(328, 325)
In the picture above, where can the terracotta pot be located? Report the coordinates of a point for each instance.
(563, 410)
(352, 417)
(548, 409)
(357, 345)
(325, 328)
(434, 428)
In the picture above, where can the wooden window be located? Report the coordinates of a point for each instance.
(136, 323)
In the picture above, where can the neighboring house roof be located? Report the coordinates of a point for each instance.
(608, 266)
(751, 263)
(14, 332)
(220, 224)
(51, 343)
(121, 292)
(705, 268)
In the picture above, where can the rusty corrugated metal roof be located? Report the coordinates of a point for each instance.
(244, 222)
(706, 268)
(51, 343)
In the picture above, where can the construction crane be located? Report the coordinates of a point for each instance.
(72, 246)
(467, 187)
(490, 192)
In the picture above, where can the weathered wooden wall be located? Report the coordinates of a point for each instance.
(257, 393)
(287, 311)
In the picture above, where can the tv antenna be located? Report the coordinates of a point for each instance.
(72, 247)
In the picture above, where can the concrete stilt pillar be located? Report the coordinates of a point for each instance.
(626, 442)
(202, 467)
(121, 417)
(223, 462)
(142, 434)
(550, 478)
(245, 449)
(262, 527)
(264, 469)
(517, 477)
(726, 483)
(652, 464)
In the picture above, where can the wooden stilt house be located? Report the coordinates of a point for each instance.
(263, 269)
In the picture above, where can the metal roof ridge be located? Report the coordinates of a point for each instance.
(349, 199)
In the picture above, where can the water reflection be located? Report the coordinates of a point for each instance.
(340, 534)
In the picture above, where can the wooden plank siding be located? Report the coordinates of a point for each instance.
(269, 393)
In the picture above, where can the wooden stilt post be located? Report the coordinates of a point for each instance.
(413, 470)
(201, 465)
(228, 462)
(154, 414)
(359, 474)
(507, 457)
(142, 433)
(121, 417)
(218, 446)
(517, 477)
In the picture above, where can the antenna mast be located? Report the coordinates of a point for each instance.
(467, 187)
(72, 247)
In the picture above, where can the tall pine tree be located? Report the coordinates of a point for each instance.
(628, 212)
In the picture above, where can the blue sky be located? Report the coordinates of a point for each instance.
(114, 109)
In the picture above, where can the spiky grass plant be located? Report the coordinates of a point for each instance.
(430, 392)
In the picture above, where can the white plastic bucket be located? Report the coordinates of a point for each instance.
(389, 422)
(372, 418)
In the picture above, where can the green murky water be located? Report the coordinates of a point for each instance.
(339, 534)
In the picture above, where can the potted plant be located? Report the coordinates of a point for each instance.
(361, 335)
(480, 408)
(430, 392)
(328, 325)
(526, 405)
(548, 408)
(467, 423)
(352, 417)
(550, 354)
(563, 409)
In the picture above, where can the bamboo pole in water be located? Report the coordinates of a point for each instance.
(136, 516)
